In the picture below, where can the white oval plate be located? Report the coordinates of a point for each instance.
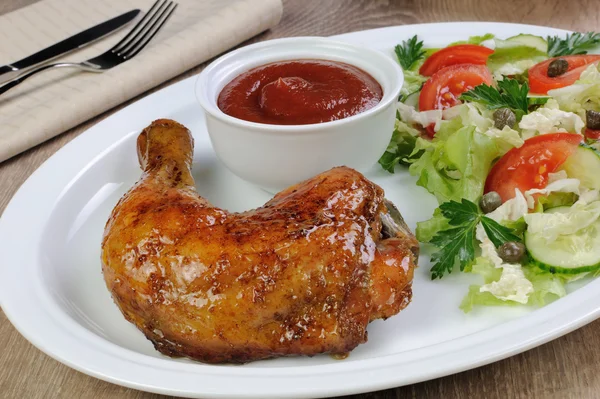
(54, 294)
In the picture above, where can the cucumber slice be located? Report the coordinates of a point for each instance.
(568, 254)
(584, 165)
(413, 99)
(537, 42)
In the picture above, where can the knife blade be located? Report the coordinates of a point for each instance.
(74, 42)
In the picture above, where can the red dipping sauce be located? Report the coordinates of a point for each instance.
(300, 92)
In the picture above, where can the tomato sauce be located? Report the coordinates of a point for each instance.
(300, 92)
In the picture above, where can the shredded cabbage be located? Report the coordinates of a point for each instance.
(550, 119)
(584, 94)
(553, 224)
(557, 183)
(471, 114)
(512, 285)
(506, 138)
(410, 115)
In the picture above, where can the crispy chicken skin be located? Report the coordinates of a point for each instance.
(302, 275)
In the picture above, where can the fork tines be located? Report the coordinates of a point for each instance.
(145, 29)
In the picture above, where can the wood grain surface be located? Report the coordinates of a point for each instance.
(565, 368)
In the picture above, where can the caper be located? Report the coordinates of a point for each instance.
(504, 117)
(557, 67)
(511, 251)
(490, 202)
(592, 119)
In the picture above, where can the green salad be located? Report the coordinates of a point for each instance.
(505, 133)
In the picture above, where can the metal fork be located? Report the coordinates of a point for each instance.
(126, 49)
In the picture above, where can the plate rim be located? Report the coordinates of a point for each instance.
(543, 322)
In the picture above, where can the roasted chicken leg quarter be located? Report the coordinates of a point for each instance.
(302, 275)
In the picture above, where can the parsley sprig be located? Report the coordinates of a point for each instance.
(577, 43)
(458, 241)
(409, 52)
(509, 94)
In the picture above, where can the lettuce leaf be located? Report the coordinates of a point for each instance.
(456, 163)
(547, 287)
(514, 57)
(427, 229)
(476, 298)
(401, 149)
(413, 81)
(412, 84)
(474, 39)
(555, 199)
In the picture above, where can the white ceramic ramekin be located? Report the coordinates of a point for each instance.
(277, 156)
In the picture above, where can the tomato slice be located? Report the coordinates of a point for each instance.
(592, 134)
(528, 166)
(442, 90)
(453, 55)
(540, 82)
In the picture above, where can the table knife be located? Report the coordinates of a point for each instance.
(81, 39)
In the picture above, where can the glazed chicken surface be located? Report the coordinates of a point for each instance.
(302, 275)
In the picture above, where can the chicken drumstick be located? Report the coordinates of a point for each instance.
(302, 275)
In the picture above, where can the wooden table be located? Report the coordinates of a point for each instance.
(565, 368)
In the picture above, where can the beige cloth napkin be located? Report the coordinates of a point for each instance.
(54, 101)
